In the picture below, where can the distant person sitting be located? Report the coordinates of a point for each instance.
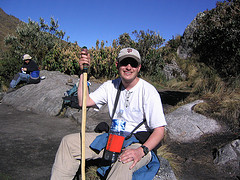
(30, 72)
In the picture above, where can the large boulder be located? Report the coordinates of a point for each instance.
(44, 97)
(184, 125)
(94, 117)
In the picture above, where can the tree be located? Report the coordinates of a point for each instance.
(217, 39)
(39, 40)
(35, 38)
(126, 41)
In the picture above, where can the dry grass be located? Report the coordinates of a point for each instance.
(222, 106)
(4, 88)
(173, 159)
(91, 173)
(178, 85)
(222, 99)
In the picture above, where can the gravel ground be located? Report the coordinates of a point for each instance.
(28, 143)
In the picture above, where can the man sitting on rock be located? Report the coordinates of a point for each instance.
(139, 104)
(29, 72)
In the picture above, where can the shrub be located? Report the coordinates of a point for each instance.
(63, 58)
(217, 38)
(103, 62)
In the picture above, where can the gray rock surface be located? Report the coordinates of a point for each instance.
(42, 98)
(184, 125)
(94, 117)
(184, 50)
(172, 70)
(29, 142)
(165, 171)
(228, 158)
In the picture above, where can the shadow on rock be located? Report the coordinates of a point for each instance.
(173, 97)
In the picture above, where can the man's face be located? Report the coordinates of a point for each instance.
(128, 69)
(27, 61)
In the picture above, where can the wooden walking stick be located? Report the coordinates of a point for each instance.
(84, 113)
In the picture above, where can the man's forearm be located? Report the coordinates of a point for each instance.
(155, 138)
(90, 102)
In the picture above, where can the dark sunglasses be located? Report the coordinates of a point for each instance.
(128, 61)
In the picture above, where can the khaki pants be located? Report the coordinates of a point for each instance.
(68, 155)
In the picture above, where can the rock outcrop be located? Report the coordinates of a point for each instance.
(184, 50)
(172, 71)
(42, 98)
(184, 125)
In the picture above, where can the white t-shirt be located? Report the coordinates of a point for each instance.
(141, 102)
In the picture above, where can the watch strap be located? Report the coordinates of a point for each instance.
(145, 149)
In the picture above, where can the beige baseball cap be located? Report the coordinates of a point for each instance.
(129, 52)
(26, 57)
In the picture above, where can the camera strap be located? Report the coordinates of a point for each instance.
(116, 99)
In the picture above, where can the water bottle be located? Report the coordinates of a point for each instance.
(115, 139)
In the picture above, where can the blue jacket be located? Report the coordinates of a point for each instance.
(144, 173)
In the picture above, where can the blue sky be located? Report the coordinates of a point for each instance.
(91, 20)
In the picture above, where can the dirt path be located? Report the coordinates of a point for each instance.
(28, 143)
(195, 160)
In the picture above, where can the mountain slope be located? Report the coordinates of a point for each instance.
(7, 26)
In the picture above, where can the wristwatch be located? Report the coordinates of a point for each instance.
(145, 149)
